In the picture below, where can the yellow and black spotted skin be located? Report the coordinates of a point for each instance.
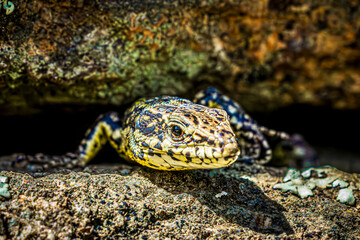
(171, 133)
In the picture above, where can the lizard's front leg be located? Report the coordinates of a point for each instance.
(106, 128)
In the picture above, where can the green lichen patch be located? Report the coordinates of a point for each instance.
(4, 187)
(303, 183)
(8, 6)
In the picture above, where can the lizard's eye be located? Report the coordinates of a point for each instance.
(176, 132)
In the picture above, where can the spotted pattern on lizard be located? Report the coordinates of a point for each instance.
(171, 133)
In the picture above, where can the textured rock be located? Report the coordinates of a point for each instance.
(134, 202)
(266, 54)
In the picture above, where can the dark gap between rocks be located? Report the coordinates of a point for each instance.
(59, 129)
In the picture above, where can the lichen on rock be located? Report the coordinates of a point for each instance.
(302, 183)
(8, 6)
(4, 187)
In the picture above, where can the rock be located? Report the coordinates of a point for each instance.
(108, 202)
(265, 54)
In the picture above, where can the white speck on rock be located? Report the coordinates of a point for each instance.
(219, 195)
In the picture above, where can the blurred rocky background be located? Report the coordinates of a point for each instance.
(292, 64)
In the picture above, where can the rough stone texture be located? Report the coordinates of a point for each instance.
(122, 201)
(266, 53)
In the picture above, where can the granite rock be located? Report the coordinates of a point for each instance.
(265, 54)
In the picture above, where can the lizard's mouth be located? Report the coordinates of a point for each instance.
(179, 161)
(198, 157)
(203, 151)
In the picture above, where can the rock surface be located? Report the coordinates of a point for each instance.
(266, 54)
(122, 201)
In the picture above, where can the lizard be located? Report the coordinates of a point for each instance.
(171, 133)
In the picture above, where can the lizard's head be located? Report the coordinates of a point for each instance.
(170, 133)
